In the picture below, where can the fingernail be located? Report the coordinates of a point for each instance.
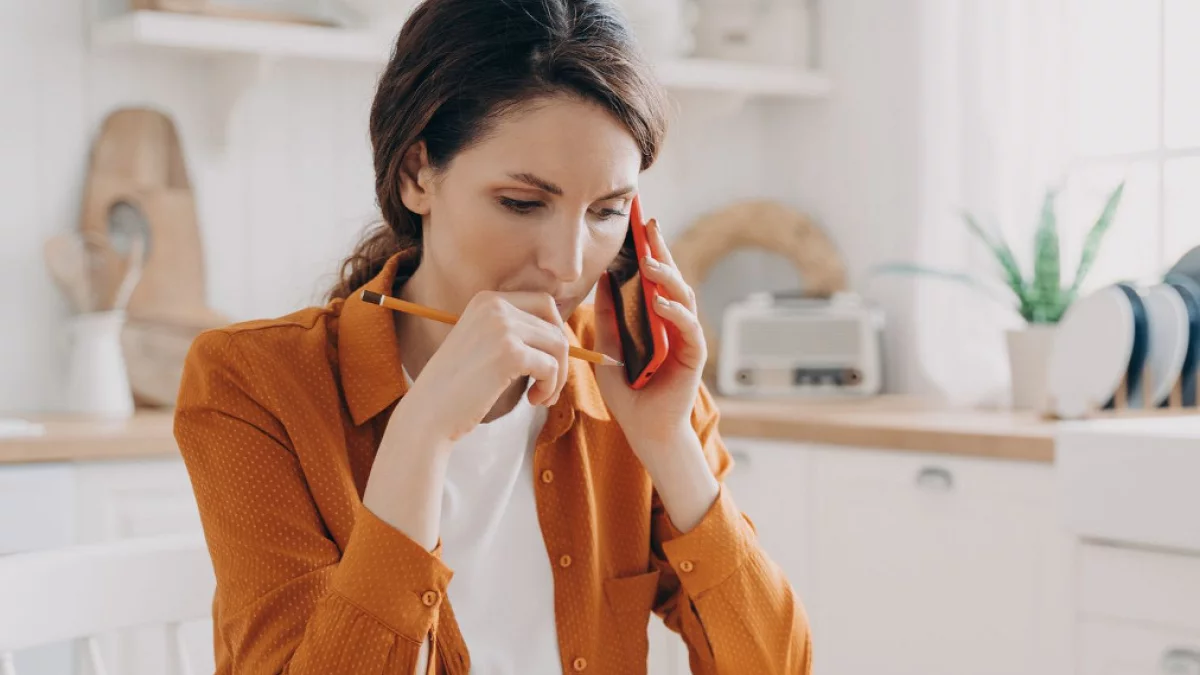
(662, 301)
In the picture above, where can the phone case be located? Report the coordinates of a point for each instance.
(658, 327)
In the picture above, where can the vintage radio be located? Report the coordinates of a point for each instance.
(785, 344)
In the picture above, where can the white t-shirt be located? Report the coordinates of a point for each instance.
(502, 591)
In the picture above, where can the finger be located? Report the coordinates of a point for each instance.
(543, 369)
(671, 281)
(539, 307)
(550, 339)
(658, 243)
(692, 351)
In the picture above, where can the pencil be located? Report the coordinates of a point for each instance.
(413, 308)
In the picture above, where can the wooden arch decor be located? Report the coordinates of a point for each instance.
(766, 225)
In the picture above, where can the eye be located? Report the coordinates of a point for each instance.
(610, 213)
(519, 206)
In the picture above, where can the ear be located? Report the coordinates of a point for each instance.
(416, 178)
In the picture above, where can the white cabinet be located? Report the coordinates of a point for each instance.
(59, 504)
(1139, 612)
(911, 564)
(121, 500)
(36, 512)
(772, 484)
(932, 565)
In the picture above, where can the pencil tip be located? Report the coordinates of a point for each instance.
(610, 361)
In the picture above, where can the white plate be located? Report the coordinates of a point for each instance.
(1170, 330)
(1091, 353)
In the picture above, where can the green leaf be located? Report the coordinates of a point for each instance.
(1091, 244)
(958, 277)
(1003, 254)
(1047, 273)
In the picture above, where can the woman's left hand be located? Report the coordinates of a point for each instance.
(657, 417)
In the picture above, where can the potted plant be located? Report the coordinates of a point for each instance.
(1040, 299)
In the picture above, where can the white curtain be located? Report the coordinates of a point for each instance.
(993, 110)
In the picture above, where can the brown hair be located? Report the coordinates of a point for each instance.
(460, 64)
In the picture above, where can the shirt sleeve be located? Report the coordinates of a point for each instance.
(731, 603)
(288, 599)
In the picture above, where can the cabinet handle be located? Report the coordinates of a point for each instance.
(935, 478)
(1181, 661)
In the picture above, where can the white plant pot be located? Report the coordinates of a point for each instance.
(97, 382)
(1029, 352)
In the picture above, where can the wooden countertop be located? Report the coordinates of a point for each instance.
(894, 423)
(80, 438)
(884, 423)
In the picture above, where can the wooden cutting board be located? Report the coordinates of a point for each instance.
(137, 164)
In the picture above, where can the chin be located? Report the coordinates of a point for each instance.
(566, 309)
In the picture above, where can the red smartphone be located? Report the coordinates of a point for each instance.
(642, 331)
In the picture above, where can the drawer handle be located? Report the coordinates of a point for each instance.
(935, 478)
(1180, 661)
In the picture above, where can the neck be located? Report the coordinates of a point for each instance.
(419, 338)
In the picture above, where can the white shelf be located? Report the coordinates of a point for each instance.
(744, 79)
(269, 41)
(238, 37)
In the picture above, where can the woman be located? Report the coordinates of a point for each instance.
(349, 461)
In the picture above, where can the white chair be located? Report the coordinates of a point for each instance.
(85, 591)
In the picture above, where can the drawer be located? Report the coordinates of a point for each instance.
(1146, 587)
(37, 507)
(144, 498)
(1117, 648)
(1132, 481)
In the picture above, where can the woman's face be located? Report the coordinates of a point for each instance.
(540, 204)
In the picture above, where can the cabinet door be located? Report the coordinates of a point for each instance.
(122, 500)
(770, 483)
(931, 565)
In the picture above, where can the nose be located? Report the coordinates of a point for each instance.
(561, 248)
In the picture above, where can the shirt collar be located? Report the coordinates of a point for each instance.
(371, 367)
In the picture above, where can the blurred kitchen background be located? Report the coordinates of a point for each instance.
(965, 461)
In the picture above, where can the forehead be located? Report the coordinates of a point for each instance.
(574, 143)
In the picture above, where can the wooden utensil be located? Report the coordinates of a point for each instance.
(66, 258)
(132, 275)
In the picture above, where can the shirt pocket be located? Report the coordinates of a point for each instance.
(630, 601)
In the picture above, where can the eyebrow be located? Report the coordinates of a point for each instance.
(547, 186)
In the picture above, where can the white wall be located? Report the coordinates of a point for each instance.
(284, 198)
(852, 161)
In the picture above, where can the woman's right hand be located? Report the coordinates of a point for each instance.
(500, 337)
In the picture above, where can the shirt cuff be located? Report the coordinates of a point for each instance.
(713, 550)
(385, 573)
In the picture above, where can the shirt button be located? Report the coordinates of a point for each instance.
(547, 476)
(564, 561)
(429, 598)
(686, 566)
(579, 664)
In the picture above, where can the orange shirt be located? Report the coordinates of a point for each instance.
(279, 422)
